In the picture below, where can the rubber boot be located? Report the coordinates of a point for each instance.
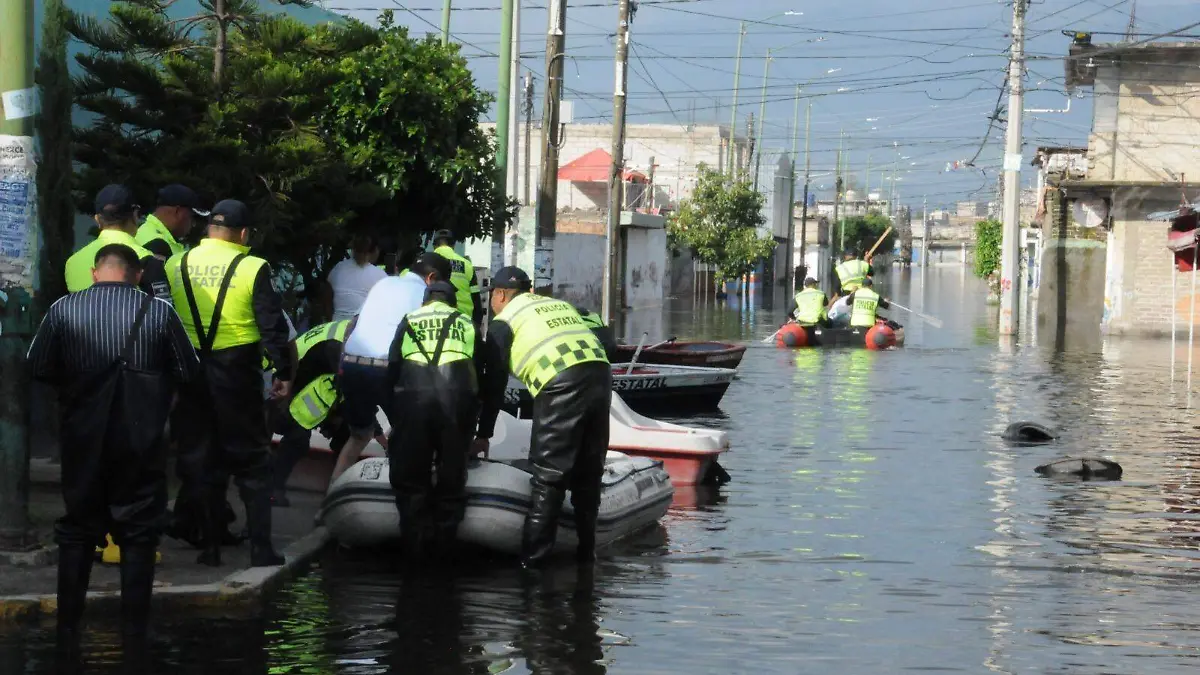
(74, 573)
(137, 588)
(586, 514)
(541, 525)
(258, 524)
(414, 527)
(211, 513)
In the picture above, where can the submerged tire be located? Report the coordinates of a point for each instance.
(880, 337)
(1028, 432)
(792, 335)
(1085, 468)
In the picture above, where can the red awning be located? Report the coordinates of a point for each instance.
(593, 168)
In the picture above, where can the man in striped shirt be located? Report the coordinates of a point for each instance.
(115, 355)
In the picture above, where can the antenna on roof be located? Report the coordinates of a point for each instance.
(1131, 29)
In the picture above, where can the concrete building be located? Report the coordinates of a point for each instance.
(1105, 261)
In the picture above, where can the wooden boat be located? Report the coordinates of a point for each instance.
(686, 353)
(649, 388)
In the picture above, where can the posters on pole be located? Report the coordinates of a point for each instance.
(18, 203)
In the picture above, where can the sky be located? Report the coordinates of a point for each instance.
(904, 85)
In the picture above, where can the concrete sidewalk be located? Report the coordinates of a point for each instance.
(28, 592)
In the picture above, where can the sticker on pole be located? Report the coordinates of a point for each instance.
(1012, 162)
(19, 103)
(18, 202)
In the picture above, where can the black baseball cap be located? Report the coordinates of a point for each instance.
(430, 261)
(181, 195)
(441, 290)
(444, 234)
(115, 202)
(810, 282)
(230, 213)
(511, 277)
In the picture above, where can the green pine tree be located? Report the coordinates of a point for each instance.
(56, 211)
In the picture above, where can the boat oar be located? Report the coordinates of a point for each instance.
(637, 352)
(772, 335)
(877, 243)
(931, 320)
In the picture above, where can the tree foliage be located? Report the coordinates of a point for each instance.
(56, 212)
(720, 222)
(988, 234)
(861, 233)
(323, 131)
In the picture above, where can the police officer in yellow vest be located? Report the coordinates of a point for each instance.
(462, 275)
(602, 332)
(232, 314)
(551, 350)
(810, 305)
(116, 215)
(174, 214)
(433, 371)
(864, 302)
(851, 272)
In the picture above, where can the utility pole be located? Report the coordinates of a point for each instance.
(528, 134)
(791, 232)
(924, 232)
(503, 126)
(446, 23)
(17, 168)
(649, 199)
(1010, 255)
(737, 76)
(762, 116)
(807, 172)
(867, 187)
(892, 201)
(753, 143)
(514, 103)
(837, 198)
(616, 173)
(547, 196)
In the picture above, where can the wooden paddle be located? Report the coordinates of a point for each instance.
(881, 238)
(932, 320)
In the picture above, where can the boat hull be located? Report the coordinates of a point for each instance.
(704, 354)
(827, 337)
(360, 508)
(649, 389)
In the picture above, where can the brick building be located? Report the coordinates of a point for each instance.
(1119, 273)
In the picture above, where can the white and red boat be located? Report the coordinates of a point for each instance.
(649, 388)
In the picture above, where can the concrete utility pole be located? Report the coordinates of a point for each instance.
(737, 76)
(790, 273)
(503, 125)
(762, 116)
(925, 232)
(807, 173)
(648, 199)
(514, 104)
(616, 173)
(837, 197)
(547, 196)
(16, 314)
(751, 147)
(1010, 254)
(528, 134)
(446, 23)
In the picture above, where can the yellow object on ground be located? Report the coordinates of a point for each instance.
(111, 553)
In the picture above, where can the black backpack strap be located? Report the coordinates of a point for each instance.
(441, 343)
(131, 339)
(416, 341)
(208, 337)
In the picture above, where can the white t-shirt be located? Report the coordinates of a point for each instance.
(351, 283)
(386, 306)
(840, 308)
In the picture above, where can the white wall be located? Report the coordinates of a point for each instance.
(579, 269)
(645, 267)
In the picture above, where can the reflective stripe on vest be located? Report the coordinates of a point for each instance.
(866, 301)
(851, 274)
(79, 266)
(548, 338)
(427, 324)
(462, 272)
(810, 306)
(313, 403)
(154, 229)
(334, 330)
(207, 265)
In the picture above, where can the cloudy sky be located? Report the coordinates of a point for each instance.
(909, 84)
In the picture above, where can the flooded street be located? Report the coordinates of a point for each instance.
(876, 523)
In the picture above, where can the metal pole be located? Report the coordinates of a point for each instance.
(790, 272)
(1191, 321)
(616, 174)
(528, 134)
(547, 196)
(867, 187)
(924, 234)
(807, 171)
(16, 312)
(1010, 254)
(514, 104)
(762, 116)
(733, 120)
(446, 23)
(502, 121)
